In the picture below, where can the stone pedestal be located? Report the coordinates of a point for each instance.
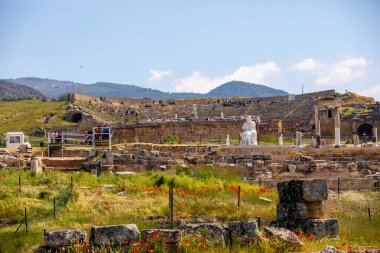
(298, 139)
(301, 207)
(228, 140)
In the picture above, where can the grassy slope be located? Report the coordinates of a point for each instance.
(203, 193)
(27, 115)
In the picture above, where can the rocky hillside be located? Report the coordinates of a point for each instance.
(9, 90)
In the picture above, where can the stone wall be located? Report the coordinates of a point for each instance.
(316, 95)
(186, 131)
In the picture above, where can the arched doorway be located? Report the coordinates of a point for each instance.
(76, 117)
(366, 129)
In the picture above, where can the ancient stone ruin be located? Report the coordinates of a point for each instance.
(301, 207)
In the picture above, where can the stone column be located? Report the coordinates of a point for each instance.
(356, 140)
(222, 115)
(317, 126)
(298, 139)
(374, 137)
(337, 127)
(228, 140)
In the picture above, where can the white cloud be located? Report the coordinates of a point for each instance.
(157, 75)
(308, 64)
(197, 82)
(343, 72)
(373, 91)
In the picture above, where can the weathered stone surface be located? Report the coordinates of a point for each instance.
(211, 231)
(331, 249)
(321, 227)
(3, 165)
(300, 210)
(115, 234)
(247, 229)
(9, 160)
(282, 234)
(302, 190)
(170, 235)
(60, 238)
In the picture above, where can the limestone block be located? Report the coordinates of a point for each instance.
(321, 227)
(331, 249)
(114, 234)
(247, 229)
(302, 190)
(213, 232)
(292, 168)
(300, 210)
(9, 160)
(283, 235)
(60, 238)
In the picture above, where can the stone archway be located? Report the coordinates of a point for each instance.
(74, 116)
(365, 128)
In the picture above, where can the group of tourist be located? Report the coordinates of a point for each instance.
(56, 137)
(102, 133)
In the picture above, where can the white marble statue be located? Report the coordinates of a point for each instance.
(280, 140)
(249, 136)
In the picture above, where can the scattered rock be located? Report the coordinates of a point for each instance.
(115, 234)
(248, 229)
(331, 249)
(266, 199)
(213, 232)
(3, 165)
(120, 194)
(125, 173)
(61, 238)
(109, 186)
(282, 234)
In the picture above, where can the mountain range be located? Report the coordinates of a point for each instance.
(10, 90)
(54, 89)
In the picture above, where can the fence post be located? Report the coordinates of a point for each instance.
(258, 222)
(259, 181)
(26, 222)
(338, 186)
(72, 182)
(239, 196)
(200, 139)
(98, 168)
(378, 184)
(54, 206)
(171, 204)
(19, 183)
(369, 214)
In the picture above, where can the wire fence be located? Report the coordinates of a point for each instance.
(23, 236)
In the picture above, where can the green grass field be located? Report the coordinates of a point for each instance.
(201, 192)
(27, 115)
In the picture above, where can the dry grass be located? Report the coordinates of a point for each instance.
(204, 192)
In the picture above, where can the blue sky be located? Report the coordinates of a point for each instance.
(195, 45)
